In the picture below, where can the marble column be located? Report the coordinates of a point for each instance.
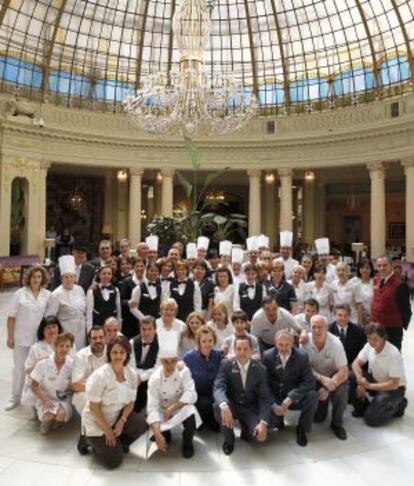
(377, 175)
(167, 193)
(308, 211)
(286, 213)
(134, 212)
(409, 209)
(320, 210)
(44, 167)
(157, 194)
(255, 202)
(121, 209)
(271, 211)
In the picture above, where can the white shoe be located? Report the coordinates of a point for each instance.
(45, 427)
(12, 404)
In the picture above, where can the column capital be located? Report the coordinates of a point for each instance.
(407, 163)
(285, 172)
(167, 172)
(253, 172)
(45, 165)
(133, 171)
(376, 166)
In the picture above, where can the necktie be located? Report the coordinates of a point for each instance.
(165, 279)
(342, 334)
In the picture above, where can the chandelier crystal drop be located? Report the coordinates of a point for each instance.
(184, 101)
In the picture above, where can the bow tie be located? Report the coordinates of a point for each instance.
(105, 286)
(151, 284)
(250, 286)
(182, 282)
(144, 345)
(165, 280)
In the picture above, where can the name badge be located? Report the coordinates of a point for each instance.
(279, 366)
(236, 372)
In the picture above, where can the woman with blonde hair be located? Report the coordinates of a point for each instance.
(220, 323)
(193, 323)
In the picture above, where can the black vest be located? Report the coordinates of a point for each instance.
(152, 354)
(250, 306)
(207, 292)
(148, 306)
(103, 309)
(185, 302)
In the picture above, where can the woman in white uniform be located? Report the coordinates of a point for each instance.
(68, 302)
(108, 419)
(298, 283)
(168, 322)
(171, 399)
(346, 291)
(365, 282)
(51, 385)
(224, 290)
(321, 291)
(27, 308)
(220, 322)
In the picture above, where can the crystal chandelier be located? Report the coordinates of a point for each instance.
(182, 101)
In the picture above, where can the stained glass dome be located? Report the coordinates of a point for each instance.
(293, 54)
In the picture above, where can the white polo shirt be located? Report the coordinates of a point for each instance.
(384, 365)
(330, 358)
(85, 363)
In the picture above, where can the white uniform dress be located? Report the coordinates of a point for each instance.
(222, 334)
(225, 297)
(366, 292)
(70, 307)
(28, 312)
(300, 291)
(289, 264)
(324, 297)
(84, 364)
(55, 384)
(348, 293)
(164, 391)
(102, 387)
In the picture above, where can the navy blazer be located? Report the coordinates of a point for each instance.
(228, 388)
(355, 339)
(295, 380)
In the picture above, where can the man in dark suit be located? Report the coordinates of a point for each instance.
(351, 335)
(105, 253)
(291, 383)
(145, 352)
(85, 272)
(241, 392)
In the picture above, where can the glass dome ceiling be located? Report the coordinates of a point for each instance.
(296, 55)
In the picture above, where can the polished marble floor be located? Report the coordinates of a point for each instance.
(368, 457)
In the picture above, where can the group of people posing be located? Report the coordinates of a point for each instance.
(206, 340)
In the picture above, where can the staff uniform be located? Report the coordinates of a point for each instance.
(222, 334)
(366, 290)
(381, 367)
(55, 384)
(187, 294)
(225, 297)
(300, 291)
(84, 364)
(113, 396)
(207, 294)
(248, 298)
(285, 293)
(347, 293)
(177, 327)
(28, 312)
(324, 297)
(164, 391)
(289, 264)
(147, 296)
(102, 302)
(69, 306)
(129, 321)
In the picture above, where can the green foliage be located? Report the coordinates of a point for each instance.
(168, 231)
(17, 219)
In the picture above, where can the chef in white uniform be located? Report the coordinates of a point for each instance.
(202, 247)
(171, 398)
(68, 302)
(323, 249)
(237, 257)
(286, 241)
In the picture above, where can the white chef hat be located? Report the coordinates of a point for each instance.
(203, 243)
(263, 241)
(322, 246)
(225, 247)
(168, 344)
(286, 238)
(191, 250)
(152, 242)
(252, 243)
(67, 264)
(237, 255)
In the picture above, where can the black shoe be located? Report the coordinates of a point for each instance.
(339, 431)
(245, 436)
(213, 426)
(167, 436)
(188, 451)
(82, 446)
(125, 447)
(228, 448)
(401, 409)
(301, 438)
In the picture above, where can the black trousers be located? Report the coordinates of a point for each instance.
(189, 429)
(142, 395)
(204, 406)
(395, 336)
(339, 400)
(112, 456)
(308, 404)
(382, 407)
(248, 418)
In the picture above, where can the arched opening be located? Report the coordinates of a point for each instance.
(18, 216)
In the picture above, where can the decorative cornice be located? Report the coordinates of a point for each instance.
(166, 172)
(375, 166)
(134, 172)
(285, 172)
(253, 172)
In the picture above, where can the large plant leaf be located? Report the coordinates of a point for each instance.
(193, 152)
(186, 184)
(220, 220)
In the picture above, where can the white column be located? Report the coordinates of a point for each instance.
(134, 213)
(255, 202)
(167, 193)
(409, 209)
(285, 175)
(308, 211)
(271, 211)
(44, 167)
(377, 175)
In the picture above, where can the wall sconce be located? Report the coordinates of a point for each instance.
(150, 193)
(122, 175)
(309, 176)
(159, 176)
(143, 214)
(270, 178)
